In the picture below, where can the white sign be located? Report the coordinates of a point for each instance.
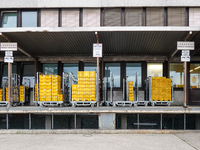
(10, 46)
(186, 45)
(9, 53)
(97, 50)
(185, 58)
(185, 53)
(8, 59)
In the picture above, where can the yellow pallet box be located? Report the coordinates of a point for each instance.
(74, 87)
(131, 99)
(80, 74)
(87, 78)
(48, 97)
(93, 86)
(93, 89)
(92, 74)
(81, 79)
(92, 79)
(86, 74)
(93, 92)
(87, 86)
(130, 92)
(92, 82)
(60, 97)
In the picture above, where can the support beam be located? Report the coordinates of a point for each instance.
(19, 47)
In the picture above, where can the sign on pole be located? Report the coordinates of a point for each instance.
(9, 59)
(9, 53)
(185, 45)
(97, 50)
(9, 46)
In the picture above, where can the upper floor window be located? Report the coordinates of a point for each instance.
(49, 18)
(9, 19)
(155, 16)
(133, 16)
(112, 17)
(176, 17)
(29, 19)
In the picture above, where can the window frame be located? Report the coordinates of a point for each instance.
(29, 10)
(9, 11)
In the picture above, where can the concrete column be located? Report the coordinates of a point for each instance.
(107, 121)
(124, 121)
(197, 122)
(48, 122)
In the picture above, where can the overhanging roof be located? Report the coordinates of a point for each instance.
(160, 41)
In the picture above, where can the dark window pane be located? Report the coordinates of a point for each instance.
(50, 69)
(63, 122)
(37, 122)
(174, 122)
(18, 121)
(131, 69)
(115, 69)
(29, 19)
(71, 68)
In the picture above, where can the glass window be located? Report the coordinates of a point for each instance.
(9, 19)
(176, 71)
(195, 75)
(115, 69)
(29, 19)
(90, 67)
(155, 69)
(5, 70)
(29, 70)
(112, 17)
(50, 69)
(131, 69)
(67, 68)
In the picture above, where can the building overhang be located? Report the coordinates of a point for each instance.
(117, 41)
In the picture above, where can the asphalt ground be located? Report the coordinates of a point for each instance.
(180, 141)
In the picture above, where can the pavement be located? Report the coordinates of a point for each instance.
(183, 141)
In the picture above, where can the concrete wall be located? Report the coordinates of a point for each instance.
(95, 3)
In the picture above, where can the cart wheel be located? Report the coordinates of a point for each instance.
(168, 104)
(107, 104)
(130, 105)
(135, 105)
(92, 105)
(153, 104)
(101, 104)
(146, 104)
(73, 105)
(114, 105)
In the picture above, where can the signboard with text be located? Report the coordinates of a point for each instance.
(97, 50)
(8, 46)
(185, 45)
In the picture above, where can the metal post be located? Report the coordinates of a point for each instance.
(161, 121)
(138, 121)
(52, 119)
(29, 121)
(6, 121)
(74, 121)
(9, 84)
(185, 84)
(97, 80)
(123, 89)
(184, 121)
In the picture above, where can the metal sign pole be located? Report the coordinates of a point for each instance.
(9, 83)
(97, 74)
(185, 84)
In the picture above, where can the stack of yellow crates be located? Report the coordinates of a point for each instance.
(86, 88)
(1, 94)
(130, 91)
(49, 88)
(15, 94)
(160, 89)
(22, 93)
(35, 92)
(56, 87)
(6, 93)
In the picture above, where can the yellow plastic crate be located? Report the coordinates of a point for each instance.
(80, 74)
(92, 92)
(92, 89)
(131, 99)
(86, 74)
(92, 82)
(93, 86)
(87, 78)
(92, 74)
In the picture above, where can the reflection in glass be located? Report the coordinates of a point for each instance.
(131, 69)
(71, 68)
(195, 75)
(155, 69)
(176, 71)
(115, 69)
(50, 69)
(29, 19)
(9, 19)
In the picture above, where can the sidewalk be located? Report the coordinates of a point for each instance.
(183, 141)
